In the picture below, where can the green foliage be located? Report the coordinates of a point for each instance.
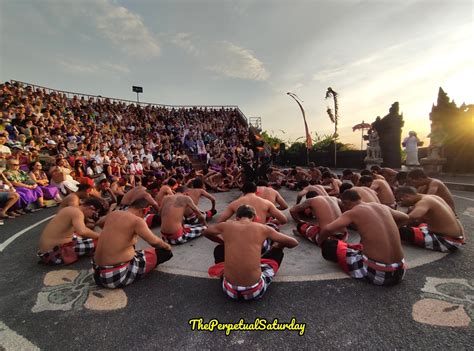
(326, 143)
(270, 139)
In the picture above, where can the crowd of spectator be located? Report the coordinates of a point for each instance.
(50, 144)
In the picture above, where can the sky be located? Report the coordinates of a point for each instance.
(250, 53)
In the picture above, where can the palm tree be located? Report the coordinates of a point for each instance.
(334, 117)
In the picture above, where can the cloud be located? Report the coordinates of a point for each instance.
(222, 57)
(80, 67)
(126, 30)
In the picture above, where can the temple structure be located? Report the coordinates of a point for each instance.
(452, 137)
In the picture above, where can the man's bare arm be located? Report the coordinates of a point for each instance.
(79, 226)
(432, 188)
(228, 212)
(282, 205)
(282, 239)
(213, 233)
(300, 195)
(418, 211)
(152, 202)
(297, 209)
(335, 226)
(195, 209)
(399, 217)
(210, 197)
(142, 230)
(280, 217)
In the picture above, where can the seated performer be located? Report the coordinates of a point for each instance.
(245, 273)
(331, 182)
(268, 193)
(379, 257)
(366, 194)
(140, 192)
(324, 208)
(440, 230)
(195, 193)
(172, 211)
(266, 211)
(62, 240)
(307, 187)
(116, 262)
(430, 186)
(75, 199)
(381, 187)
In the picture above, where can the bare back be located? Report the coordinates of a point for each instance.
(133, 194)
(267, 193)
(165, 190)
(117, 239)
(378, 232)
(366, 194)
(442, 191)
(384, 192)
(60, 229)
(172, 212)
(440, 217)
(70, 200)
(263, 208)
(325, 209)
(243, 245)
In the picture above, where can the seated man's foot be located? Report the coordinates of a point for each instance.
(4, 215)
(14, 214)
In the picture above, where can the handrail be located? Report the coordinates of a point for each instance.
(169, 107)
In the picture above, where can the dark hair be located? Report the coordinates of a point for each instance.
(91, 201)
(365, 172)
(417, 174)
(376, 169)
(347, 172)
(405, 190)
(326, 175)
(83, 187)
(249, 187)
(365, 179)
(172, 182)
(103, 181)
(197, 183)
(262, 182)
(344, 187)
(245, 211)
(181, 189)
(310, 194)
(350, 195)
(139, 203)
(401, 176)
(303, 183)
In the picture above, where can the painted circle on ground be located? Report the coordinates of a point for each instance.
(303, 263)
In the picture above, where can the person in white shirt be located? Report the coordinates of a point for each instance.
(411, 144)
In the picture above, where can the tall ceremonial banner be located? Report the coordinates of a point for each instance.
(309, 140)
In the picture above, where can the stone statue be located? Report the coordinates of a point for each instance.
(389, 129)
(373, 146)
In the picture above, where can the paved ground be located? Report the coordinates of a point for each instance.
(60, 308)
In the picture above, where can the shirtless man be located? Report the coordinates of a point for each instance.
(275, 178)
(195, 193)
(75, 199)
(366, 194)
(165, 190)
(268, 193)
(439, 230)
(314, 173)
(172, 211)
(349, 176)
(62, 240)
(325, 208)
(387, 173)
(319, 189)
(246, 274)
(382, 188)
(266, 211)
(116, 262)
(332, 183)
(221, 181)
(139, 192)
(430, 186)
(295, 176)
(379, 257)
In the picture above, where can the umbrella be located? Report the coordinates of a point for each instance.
(361, 126)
